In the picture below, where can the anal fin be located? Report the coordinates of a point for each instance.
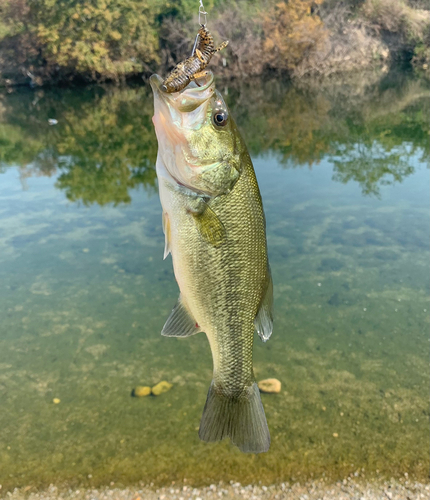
(264, 320)
(180, 323)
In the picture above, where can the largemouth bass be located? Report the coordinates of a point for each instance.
(214, 228)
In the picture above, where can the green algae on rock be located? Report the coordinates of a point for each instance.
(141, 391)
(161, 387)
(270, 385)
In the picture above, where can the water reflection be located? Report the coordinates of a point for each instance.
(104, 142)
(102, 146)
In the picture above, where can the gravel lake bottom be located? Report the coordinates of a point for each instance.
(348, 489)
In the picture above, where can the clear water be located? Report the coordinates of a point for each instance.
(84, 292)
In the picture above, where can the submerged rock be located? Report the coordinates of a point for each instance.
(140, 391)
(161, 387)
(270, 385)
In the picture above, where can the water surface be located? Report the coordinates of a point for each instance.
(84, 292)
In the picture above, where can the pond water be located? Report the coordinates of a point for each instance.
(84, 291)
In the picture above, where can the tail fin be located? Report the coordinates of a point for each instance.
(242, 419)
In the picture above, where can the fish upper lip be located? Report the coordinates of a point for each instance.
(156, 82)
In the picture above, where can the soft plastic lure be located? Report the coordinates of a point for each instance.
(193, 67)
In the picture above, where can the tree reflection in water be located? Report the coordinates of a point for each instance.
(104, 144)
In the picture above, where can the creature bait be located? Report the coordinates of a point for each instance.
(192, 68)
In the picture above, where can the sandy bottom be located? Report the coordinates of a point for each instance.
(315, 490)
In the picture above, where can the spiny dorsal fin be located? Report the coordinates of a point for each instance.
(264, 320)
(166, 230)
(180, 323)
(211, 229)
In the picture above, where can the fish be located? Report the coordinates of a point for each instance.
(215, 231)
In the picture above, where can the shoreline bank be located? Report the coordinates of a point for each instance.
(88, 44)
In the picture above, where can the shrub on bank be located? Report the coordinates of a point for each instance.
(108, 38)
(293, 34)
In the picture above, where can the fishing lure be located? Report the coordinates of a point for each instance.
(193, 67)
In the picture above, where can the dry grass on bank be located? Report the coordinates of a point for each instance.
(395, 16)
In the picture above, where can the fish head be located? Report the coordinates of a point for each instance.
(198, 141)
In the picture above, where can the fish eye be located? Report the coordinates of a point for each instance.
(220, 118)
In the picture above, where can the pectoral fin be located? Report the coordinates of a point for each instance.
(180, 323)
(210, 227)
(166, 230)
(264, 320)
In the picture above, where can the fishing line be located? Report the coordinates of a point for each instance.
(202, 16)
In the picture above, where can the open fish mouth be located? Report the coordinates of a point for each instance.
(179, 120)
(179, 114)
(188, 99)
